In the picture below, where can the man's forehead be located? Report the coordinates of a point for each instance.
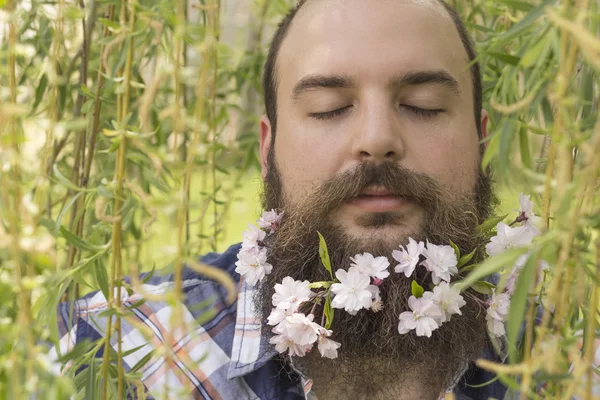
(433, 5)
(341, 35)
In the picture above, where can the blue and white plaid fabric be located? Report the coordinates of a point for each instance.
(224, 356)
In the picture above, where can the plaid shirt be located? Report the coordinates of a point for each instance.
(221, 357)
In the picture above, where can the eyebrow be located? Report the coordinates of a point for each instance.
(412, 78)
(435, 77)
(313, 82)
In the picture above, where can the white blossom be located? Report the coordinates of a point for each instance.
(423, 318)
(270, 220)
(289, 294)
(253, 238)
(253, 267)
(299, 328)
(526, 214)
(278, 315)
(508, 237)
(353, 292)
(376, 303)
(284, 343)
(327, 347)
(375, 267)
(408, 257)
(497, 313)
(449, 301)
(441, 261)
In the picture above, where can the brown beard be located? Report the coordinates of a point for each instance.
(373, 354)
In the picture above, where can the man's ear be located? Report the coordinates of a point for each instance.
(265, 144)
(484, 123)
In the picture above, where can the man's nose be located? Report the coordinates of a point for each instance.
(377, 135)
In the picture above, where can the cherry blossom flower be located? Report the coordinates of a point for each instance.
(253, 266)
(299, 328)
(289, 294)
(253, 239)
(423, 318)
(278, 315)
(511, 281)
(448, 300)
(408, 257)
(441, 261)
(526, 214)
(353, 292)
(375, 267)
(497, 313)
(284, 343)
(270, 220)
(327, 347)
(376, 303)
(508, 237)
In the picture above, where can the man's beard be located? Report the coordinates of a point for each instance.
(373, 355)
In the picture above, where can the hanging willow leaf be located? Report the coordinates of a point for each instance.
(518, 304)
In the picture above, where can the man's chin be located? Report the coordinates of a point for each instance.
(381, 229)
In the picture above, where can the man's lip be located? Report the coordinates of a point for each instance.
(379, 203)
(377, 191)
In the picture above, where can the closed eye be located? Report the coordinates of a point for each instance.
(423, 112)
(330, 114)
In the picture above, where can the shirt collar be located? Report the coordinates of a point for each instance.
(250, 349)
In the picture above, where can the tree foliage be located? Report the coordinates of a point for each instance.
(115, 112)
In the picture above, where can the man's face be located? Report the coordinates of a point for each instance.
(373, 81)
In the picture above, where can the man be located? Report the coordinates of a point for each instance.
(371, 136)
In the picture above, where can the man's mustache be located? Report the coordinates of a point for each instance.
(390, 176)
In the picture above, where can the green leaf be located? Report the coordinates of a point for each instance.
(328, 310)
(466, 258)
(143, 361)
(324, 254)
(518, 304)
(507, 58)
(491, 223)
(318, 285)
(416, 289)
(78, 242)
(524, 144)
(67, 183)
(521, 26)
(456, 249)
(90, 388)
(101, 278)
(483, 287)
(39, 92)
(491, 150)
(67, 206)
(491, 266)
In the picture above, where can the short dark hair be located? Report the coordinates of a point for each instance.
(270, 78)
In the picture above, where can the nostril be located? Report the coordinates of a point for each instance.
(390, 154)
(365, 154)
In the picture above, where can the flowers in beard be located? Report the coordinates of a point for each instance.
(526, 216)
(252, 258)
(429, 309)
(270, 221)
(441, 261)
(497, 312)
(424, 316)
(354, 291)
(296, 303)
(408, 257)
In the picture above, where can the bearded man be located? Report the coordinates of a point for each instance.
(372, 135)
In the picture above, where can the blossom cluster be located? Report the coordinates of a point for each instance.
(296, 304)
(252, 258)
(429, 309)
(520, 233)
